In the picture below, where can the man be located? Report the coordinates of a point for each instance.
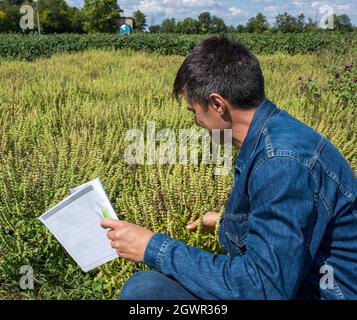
(290, 224)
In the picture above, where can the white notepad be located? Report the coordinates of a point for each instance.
(75, 223)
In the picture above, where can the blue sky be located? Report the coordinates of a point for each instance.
(232, 11)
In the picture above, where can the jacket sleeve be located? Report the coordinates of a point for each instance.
(281, 222)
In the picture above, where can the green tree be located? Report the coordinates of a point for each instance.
(54, 16)
(77, 19)
(9, 17)
(100, 15)
(168, 26)
(155, 28)
(140, 21)
(231, 29)
(241, 28)
(343, 23)
(187, 26)
(287, 23)
(259, 23)
(3, 20)
(310, 25)
(217, 25)
(205, 22)
(301, 22)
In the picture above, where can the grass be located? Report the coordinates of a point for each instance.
(63, 122)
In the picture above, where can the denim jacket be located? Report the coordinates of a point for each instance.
(290, 223)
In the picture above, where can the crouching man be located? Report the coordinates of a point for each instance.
(290, 224)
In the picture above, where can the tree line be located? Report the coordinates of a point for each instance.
(56, 16)
(286, 23)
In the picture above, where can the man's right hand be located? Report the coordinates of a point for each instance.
(209, 222)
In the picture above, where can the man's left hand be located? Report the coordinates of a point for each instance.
(129, 240)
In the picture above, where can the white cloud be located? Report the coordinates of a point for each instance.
(235, 11)
(298, 4)
(263, 1)
(173, 8)
(345, 8)
(272, 8)
(198, 3)
(150, 7)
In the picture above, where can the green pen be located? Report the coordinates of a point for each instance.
(105, 214)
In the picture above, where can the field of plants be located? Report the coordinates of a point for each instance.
(30, 47)
(63, 120)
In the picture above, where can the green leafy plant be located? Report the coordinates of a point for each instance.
(32, 46)
(311, 88)
(343, 83)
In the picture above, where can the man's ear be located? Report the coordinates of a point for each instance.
(218, 103)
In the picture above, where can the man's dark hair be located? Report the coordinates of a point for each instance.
(223, 66)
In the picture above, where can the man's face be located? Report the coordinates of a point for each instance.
(210, 117)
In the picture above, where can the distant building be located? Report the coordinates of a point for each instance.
(124, 24)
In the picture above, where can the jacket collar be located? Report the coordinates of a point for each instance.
(262, 115)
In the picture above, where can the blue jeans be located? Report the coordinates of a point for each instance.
(153, 285)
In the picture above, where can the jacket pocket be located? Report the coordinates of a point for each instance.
(233, 232)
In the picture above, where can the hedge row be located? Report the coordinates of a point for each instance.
(31, 47)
